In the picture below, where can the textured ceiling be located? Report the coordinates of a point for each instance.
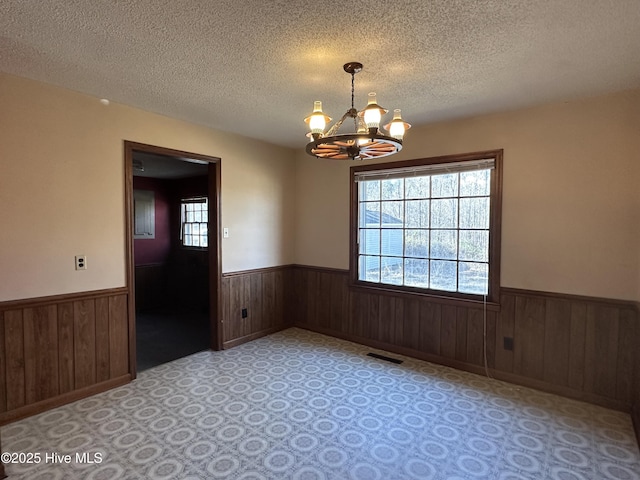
(255, 67)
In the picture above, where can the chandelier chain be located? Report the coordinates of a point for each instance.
(355, 117)
(353, 76)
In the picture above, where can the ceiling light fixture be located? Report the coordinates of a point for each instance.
(368, 139)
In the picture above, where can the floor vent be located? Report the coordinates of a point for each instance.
(382, 357)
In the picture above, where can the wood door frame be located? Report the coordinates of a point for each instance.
(215, 245)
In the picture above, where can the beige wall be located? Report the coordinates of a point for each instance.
(62, 189)
(571, 208)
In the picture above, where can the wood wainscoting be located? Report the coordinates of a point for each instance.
(579, 347)
(59, 349)
(265, 294)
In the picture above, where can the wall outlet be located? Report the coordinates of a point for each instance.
(244, 313)
(81, 262)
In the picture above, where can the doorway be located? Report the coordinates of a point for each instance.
(173, 254)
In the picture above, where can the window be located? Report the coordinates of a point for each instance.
(195, 217)
(429, 226)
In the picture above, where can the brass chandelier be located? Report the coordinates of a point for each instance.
(367, 140)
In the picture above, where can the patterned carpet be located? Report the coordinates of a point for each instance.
(298, 405)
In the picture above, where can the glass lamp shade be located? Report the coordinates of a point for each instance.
(317, 121)
(397, 127)
(373, 112)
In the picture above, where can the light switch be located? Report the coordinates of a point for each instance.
(225, 232)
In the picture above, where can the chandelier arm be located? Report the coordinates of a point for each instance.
(361, 126)
(333, 130)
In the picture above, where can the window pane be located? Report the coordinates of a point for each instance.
(391, 271)
(189, 207)
(416, 272)
(391, 242)
(417, 187)
(444, 244)
(187, 228)
(195, 240)
(443, 275)
(369, 190)
(475, 183)
(195, 229)
(204, 241)
(392, 214)
(444, 185)
(474, 245)
(444, 213)
(416, 243)
(370, 241)
(203, 229)
(474, 212)
(369, 269)
(370, 214)
(392, 189)
(473, 278)
(188, 240)
(197, 216)
(205, 216)
(189, 216)
(417, 213)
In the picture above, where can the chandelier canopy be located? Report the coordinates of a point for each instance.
(367, 140)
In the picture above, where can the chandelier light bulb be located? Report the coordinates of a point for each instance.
(373, 112)
(317, 120)
(396, 128)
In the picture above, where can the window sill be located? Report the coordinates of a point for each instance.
(408, 292)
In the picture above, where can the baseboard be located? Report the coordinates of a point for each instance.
(48, 404)
(253, 336)
(478, 370)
